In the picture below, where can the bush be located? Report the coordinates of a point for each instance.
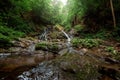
(10, 33)
(102, 34)
(4, 41)
(7, 35)
(111, 50)
(78, 27)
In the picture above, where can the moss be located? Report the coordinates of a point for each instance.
(5, 42)
(76, 67)
(88, 72)
(41, 46)
(47, 46)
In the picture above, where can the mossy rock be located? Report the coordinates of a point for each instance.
(76, 67)
(49, 46)
(56, 35)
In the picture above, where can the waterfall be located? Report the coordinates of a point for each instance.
(43, 36)
(68, 41)
(31, 48)
(69, 45)
(66, 36)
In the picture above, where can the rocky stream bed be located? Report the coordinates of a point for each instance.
(33, 59)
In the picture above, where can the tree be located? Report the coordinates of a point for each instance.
(113, 14)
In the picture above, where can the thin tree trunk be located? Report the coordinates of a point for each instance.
(113, 13)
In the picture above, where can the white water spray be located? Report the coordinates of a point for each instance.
(31, 48)
(66, 36)
(68, 41)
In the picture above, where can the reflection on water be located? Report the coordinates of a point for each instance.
(43, 71)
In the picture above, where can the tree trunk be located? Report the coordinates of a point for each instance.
(113, 13)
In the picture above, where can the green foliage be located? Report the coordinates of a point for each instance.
(111, 50)
(17, 23)
(67, 27)
(11, 14)
(7, 35)
(47, 46)
(21, 5)
(10, 33)
(101, 34)
(4, 41)
(116, 34)
(41, 46)
(94, 14)
(89, 43)
(78, 27)
(48, 11)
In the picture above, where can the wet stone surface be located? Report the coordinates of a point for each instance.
(44, 71)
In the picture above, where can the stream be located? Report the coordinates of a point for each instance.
(43, 71)
(46, 65)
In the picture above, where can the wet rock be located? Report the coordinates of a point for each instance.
(56, 35)
(67, 67)
(44, 71)
(4, 55)
(62, 52)
(2, 50)
(76, 67)
(24, 42)
(71, 50)
(15, 49)
(50, 46)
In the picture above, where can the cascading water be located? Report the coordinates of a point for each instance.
(43, 36)
(68, 41)
(44, 71)
(69, 45)
(4, 55)
(31, 48)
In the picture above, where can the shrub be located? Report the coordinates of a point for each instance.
(111, 50)
(78, 27)
(4, 41)
(10, 33)
(7, 35)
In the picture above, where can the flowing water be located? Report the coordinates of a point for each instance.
(69, 45)
(43, 36)
(4, 55)
(44, 71)
(31, 48)
(68, 41)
